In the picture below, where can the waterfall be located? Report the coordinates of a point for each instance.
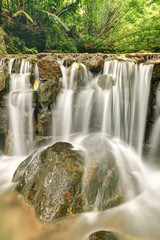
(125, 105)
(67, 108)
(20, 110)
(119, 112)
(103, 115)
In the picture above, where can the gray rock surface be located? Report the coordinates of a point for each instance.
(106, 81)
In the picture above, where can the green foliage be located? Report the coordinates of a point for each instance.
(55, 19)
(24, 13)
(31, 50)
(60, 41)
(84, 25)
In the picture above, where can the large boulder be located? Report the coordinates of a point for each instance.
(95, 64)
(53, 182)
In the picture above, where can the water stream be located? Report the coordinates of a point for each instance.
(21, 111)
(90, 117)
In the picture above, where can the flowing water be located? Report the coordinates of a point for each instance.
(21, 111)
(90, 117)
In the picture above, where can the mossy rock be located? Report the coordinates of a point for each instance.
(49, 68)
(49, 90)
(95, 64)
(103, 235)
(53, 182)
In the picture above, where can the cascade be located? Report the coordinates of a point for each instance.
(20, 113)
(105, 112)
(119, 112)
(20, 110)
(70, 108)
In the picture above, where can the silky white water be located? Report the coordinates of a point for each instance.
(119, 112)
(21, 111)
(111, 119)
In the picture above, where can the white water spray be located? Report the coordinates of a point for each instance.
(20, 111)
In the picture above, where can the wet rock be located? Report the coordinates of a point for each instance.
(44, 125)
(102, 188)
(102, 235)
(49, 68)
(3, 100)
(154, 99)
(49, 75)
(126, 58)
(2, 142)
(3, 121)
(68, 60)
(156, 70)
(49, 90)
(53, 179)
(16, 65)
(52, 182)
(95, 64)
(106, 81)
(4, 81)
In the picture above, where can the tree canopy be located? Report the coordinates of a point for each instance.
(82, 25)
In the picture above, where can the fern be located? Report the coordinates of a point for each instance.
(53, 17)
(23, 12)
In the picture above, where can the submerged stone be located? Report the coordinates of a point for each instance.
(106, 81)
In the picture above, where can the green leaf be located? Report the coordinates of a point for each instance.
(24, 13)
(53, 17)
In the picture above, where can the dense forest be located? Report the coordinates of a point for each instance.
(109, 26)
